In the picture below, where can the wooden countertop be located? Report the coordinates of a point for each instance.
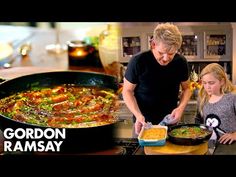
(20, 71)
(39, 57)
(173, 149)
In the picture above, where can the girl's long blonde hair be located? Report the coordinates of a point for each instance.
(218, 72)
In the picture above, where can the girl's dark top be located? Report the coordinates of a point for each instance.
(157, 86)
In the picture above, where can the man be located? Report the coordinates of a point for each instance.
(153, 78)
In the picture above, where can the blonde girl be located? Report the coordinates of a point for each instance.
(217, 103)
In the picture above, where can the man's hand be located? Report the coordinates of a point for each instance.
(176, 115)
(140, 122)
(138, 126)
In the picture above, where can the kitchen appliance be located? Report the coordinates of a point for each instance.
(130, 146)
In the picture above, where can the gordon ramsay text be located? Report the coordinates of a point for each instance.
(33, 139)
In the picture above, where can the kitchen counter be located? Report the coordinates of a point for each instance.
(222, 149)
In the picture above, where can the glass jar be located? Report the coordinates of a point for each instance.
(82, 54)
(109, 47)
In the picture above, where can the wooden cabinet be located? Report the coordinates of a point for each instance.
(190, 46)
(204, 43)
(207, 46)
(217, 45)
(131, 46)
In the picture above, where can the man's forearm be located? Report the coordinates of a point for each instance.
(185, 97)
(131, 103)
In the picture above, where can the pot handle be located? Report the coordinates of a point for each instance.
(2, 80)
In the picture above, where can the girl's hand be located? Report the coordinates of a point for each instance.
(227, 138)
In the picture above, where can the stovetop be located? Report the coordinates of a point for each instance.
(130, 146)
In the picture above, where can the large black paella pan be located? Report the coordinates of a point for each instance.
(92, 137)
